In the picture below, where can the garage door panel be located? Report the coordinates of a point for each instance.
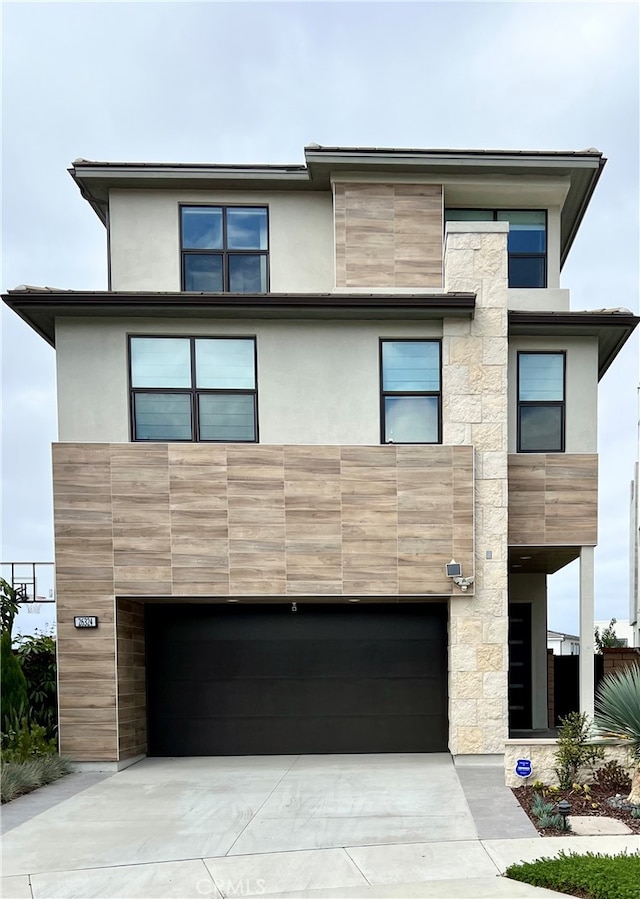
(210, 659)
(234, 680)
(305, 735)
(283, 697)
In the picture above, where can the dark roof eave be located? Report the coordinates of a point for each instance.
(612, 329)
(39, 307)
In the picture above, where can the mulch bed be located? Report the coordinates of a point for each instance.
(581, 804)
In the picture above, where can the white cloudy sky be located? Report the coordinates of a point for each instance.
(254, 82)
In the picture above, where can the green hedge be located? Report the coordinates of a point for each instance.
(591, 876)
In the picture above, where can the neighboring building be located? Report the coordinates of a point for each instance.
(308, 390)
(563, 644)
(634, 546)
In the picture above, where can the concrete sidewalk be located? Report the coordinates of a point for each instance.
(310, 826)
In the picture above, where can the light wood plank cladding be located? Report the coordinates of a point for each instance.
(131, 674)
(205, 520)
(235, 520)
(84, 586)
(553, 499)
(388, 235)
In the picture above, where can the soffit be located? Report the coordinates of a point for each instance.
(540, 559)
(39, 307)
(612, 329)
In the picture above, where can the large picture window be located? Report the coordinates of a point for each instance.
(410, 395)
(541, 402)
(526, 242)
(186, 388)
(224, 249)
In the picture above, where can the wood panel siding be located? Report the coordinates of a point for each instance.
(83, 526)
(131, 674)
(388, 235)
(211, 521)
(553, 499)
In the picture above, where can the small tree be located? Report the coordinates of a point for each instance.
(9, 605)
(575, 750)
(607, 639)
(13, 699)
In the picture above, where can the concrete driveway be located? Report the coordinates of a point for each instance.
(208, 827)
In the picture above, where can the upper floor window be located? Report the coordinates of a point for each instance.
(186, 388)
(526, 243)
(224, 248)
(410, 394)
(541, 401)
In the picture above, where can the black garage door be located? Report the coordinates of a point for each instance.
(263, 680)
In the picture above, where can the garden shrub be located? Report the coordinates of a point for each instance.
(544, 812)
(575, 751)
(23, 740)
(592, 876)
(614, 777)
(13, 698)
(37, 657)
(17, 778)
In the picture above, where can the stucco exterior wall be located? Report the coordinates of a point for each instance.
(581, 399)
(317, 383)
(474, 381)
(144, 237)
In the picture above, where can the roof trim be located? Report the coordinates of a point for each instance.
(612, 328)
(39, 307)
(584, 167)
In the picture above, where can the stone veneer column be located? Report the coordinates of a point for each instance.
(474, 388)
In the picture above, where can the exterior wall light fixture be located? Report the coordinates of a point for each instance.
(454, 571)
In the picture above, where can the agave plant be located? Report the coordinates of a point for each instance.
(618, 715)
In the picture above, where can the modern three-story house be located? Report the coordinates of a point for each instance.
(321, 442)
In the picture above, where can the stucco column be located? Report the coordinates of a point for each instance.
(586, 631)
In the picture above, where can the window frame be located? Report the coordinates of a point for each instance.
(544, 256)
(400, 393)
(224, 252)
(194, 391)
(562, 404)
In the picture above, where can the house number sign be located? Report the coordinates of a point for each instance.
(85, 621)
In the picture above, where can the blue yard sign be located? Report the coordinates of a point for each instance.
(523, 767)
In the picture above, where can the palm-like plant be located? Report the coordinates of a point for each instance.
(618, 715)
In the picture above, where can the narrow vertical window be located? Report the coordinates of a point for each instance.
(410, 395)
(541, 402)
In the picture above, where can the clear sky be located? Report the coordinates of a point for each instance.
(255, 82)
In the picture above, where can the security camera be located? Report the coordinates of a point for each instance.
(463, 582)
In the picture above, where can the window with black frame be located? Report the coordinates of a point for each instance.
(526, 242)
(224, 249)
(541, 402)
(193, 389)
(410, 394)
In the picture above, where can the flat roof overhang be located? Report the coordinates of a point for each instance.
(541, 559)
(584, 167)
(612, 328)
(39, 307)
